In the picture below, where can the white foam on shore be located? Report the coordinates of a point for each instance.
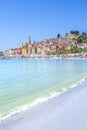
(37, 101)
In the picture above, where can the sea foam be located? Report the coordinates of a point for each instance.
(37, 101)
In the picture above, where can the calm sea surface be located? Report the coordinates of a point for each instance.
(24, 81)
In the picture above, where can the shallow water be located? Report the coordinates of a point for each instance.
(24, 81)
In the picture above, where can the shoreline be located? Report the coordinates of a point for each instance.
(38, 101)
(42, 58)
(41, 104)
(17, 109)
(60, 56)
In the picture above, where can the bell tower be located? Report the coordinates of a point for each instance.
(29, 45)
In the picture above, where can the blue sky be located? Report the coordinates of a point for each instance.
(40, 19)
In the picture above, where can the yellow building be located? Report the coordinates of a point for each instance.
(24, 51)
(39, 50)
(48, 50)
(22, 45)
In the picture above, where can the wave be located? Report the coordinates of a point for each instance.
(36, 102)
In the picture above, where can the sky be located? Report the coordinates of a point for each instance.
(39, 19)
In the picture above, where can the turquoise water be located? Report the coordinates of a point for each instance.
(24, 81)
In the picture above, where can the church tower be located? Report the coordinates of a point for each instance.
(29, 45)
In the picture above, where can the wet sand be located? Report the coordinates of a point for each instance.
(68, 111)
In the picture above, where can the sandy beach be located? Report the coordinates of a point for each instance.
(68, 111)
(43, 65)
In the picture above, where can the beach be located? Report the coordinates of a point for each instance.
(43, 65)
(67, 111)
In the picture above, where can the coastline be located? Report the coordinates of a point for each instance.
(40, 100)
(41, 111)
(61, 56)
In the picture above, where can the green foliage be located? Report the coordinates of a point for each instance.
(61, 52)
(58, 36)
(75, 49)
(66, 34)
(85, 50)
(84, 34)
(68, 51)
(74, 32)
(82, 38)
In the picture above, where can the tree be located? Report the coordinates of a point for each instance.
(74, 32)
(66, 34)
(58, 36)
(83, 34)
(79, 39)
(75, 49)
(82, 38)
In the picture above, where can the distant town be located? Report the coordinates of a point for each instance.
(73, 43)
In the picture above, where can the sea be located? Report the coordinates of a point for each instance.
(27, 82)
